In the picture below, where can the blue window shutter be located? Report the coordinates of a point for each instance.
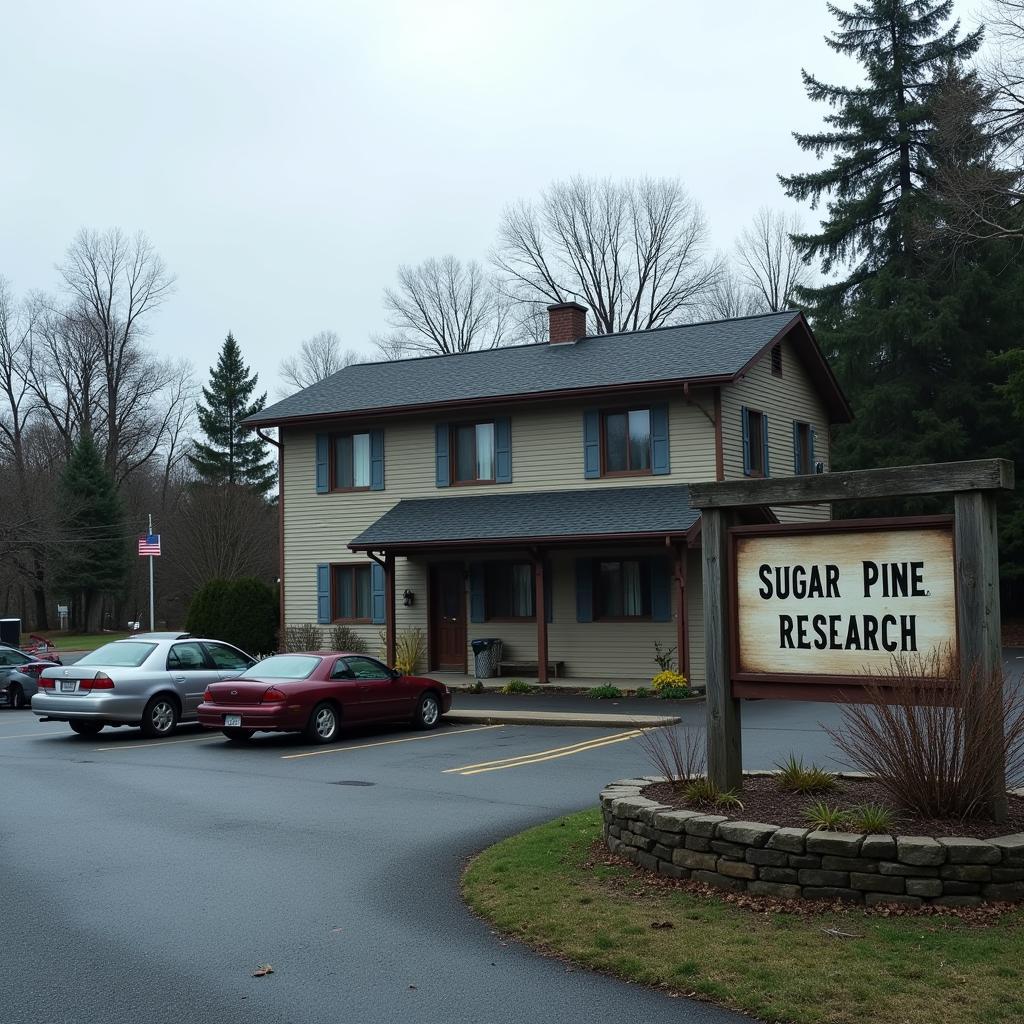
(477, 609)
(764, 442)
(584, 590)
(591, 446)
(813, 464)
(661, 590)
(376, 460)
(745, 423)
(549, 611)
(659, 439)
(323, 475)
(797, 453)
(441, 454)
(503, 450)
(323, 593)
(377, 589)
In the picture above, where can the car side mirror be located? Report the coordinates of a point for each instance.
(395, 674)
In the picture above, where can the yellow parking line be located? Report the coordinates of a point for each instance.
(387, 743)
(544, 755)
(155, 744)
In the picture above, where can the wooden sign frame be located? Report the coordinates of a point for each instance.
(832, 687)
(973, 486)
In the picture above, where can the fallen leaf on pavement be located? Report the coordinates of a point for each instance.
(262, 971)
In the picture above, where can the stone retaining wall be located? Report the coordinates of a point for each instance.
(766, 860)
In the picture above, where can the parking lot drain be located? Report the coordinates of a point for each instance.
(353, 782)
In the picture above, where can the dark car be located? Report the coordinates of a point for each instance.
(19, 674)
(315, 692)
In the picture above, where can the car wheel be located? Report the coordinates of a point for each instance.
(15, 697)
(428, 712)
(323, 724)
(160, 716)
(238, 735)
(86, 728)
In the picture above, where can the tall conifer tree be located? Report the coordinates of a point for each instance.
(231, 453)
(878, 135)
(94, 551)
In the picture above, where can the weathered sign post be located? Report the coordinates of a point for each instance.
(813, 611)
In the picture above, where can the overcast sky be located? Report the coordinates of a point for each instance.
(285, 158)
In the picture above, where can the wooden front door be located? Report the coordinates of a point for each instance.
(448, 616)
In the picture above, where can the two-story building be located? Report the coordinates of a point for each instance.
(538, 493)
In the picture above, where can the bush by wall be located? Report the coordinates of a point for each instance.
(240, 612)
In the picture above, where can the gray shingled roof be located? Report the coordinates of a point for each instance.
(493, 518)
(689, 352)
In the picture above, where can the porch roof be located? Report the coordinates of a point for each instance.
(534, 517)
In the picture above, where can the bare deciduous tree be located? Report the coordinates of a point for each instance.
(115, 282)
(1004, 70)
(318, 358)
(18, 322)
(770, 264)
(444, 306)
(730, 296)
(633, 251)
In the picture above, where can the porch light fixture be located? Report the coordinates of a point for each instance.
(408, 598)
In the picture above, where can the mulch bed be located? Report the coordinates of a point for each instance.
(987, 914)
(764, 801)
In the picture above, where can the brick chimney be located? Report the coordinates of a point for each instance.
(567, 321)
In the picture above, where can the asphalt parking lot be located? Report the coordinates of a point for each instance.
(145, 880)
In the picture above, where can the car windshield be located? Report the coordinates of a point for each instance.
(123, 654)
(283, 666)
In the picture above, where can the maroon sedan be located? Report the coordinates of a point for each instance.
(315, 692)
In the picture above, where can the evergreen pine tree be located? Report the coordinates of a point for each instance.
(878, 135)
(231, 453)
(94, 554)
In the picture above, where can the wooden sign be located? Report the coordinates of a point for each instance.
(832, 604)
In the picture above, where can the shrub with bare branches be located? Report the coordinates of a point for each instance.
(678, 752)
(943, 744)
(303, 637)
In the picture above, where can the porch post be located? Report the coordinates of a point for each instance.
(389, 606)
(682, 620)
(540, 606)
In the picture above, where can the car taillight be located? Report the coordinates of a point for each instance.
(47, 684)
(32, 670)
(101, 681)
(274, 696)
(208, 695)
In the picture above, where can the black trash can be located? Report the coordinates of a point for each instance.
(486, 657)
(10, 631)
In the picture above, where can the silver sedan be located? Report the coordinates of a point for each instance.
(152, 680)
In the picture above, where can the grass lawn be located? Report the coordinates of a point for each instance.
(79, 641)
(540, 887)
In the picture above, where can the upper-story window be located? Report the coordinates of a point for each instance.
(473, 454)
(478, 452)
(755, 442)
(803, 447)
(627, 441)
(351, 462)
(777, 360)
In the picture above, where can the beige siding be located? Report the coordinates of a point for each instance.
(547, 454)
(786, 399)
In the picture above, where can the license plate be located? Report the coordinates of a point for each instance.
(68, 685)
(233, 721)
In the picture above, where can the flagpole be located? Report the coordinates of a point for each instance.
(152, 621)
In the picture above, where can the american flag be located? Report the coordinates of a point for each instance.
(149, 544)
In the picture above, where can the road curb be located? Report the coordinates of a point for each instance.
(500, 717)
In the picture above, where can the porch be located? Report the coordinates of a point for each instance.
(592, 578)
